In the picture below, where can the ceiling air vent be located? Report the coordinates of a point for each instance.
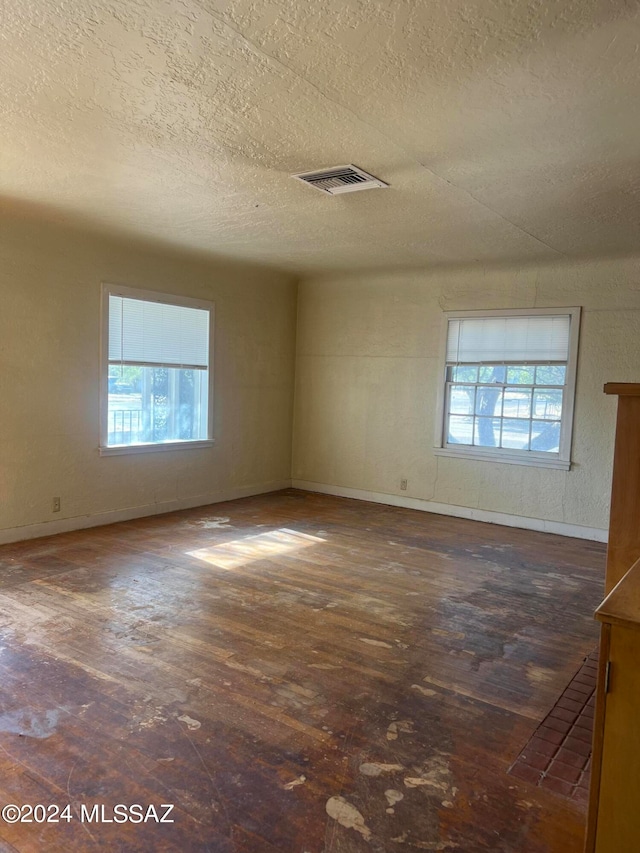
(340, 179)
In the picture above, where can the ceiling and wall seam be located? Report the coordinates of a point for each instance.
(494, 211)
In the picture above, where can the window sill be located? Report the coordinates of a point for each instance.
(126, 449)
(506, 458)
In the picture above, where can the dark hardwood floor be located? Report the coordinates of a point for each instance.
(294, 673)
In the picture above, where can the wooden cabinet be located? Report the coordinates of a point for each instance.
(614, 812)
(613, 824)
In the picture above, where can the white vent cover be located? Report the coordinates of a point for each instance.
(340, 179)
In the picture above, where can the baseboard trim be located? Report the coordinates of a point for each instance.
(66, 525)
(81, 522)
(561, 528)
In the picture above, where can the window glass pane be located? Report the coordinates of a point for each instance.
(547, 404)
(545, 435)
(465, 374)
(515, 434)
(487, 432)
(517, 403)
(551, 374)
(148, 405)
(520, 375)
(492, 373)
(460, 430)
(488, 400)
(461, 399)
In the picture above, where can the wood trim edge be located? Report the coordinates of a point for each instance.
(623, 389)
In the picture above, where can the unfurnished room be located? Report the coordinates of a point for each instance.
(320, 458)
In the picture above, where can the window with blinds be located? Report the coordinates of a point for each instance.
(157, 369)
(509, 385)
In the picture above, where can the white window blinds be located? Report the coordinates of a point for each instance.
(155, 333)
(510, 340)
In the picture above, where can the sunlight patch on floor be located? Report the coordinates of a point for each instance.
(239, 552)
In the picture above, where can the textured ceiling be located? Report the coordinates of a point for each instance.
(508, 129)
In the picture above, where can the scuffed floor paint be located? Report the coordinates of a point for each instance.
(347, 815)
(192, 725)
(378, 769)
(380, 643)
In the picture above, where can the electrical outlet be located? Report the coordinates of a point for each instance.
(403, 485)
(55, 505)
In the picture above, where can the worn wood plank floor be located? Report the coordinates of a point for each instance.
(295, 673)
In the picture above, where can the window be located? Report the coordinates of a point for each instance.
(156, 371)
(509, 386)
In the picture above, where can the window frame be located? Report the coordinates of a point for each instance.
(512, 456)
(108, 290)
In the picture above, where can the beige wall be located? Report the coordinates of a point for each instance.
(50, 279)
(368, 361)
(368, 369)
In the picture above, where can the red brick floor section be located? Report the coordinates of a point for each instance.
(558, 756)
